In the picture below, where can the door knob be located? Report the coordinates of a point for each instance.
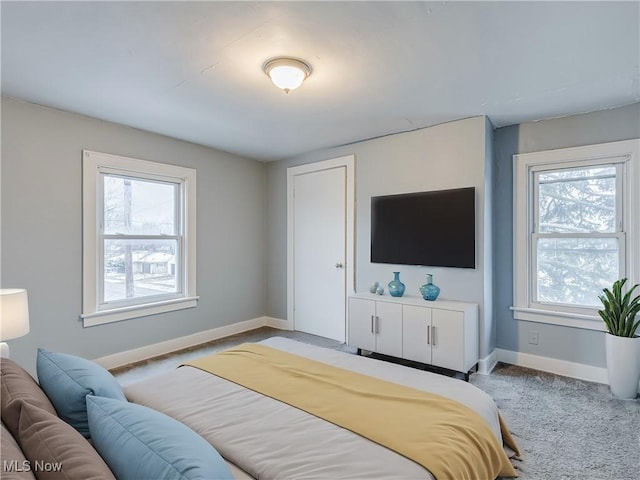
(339, 265)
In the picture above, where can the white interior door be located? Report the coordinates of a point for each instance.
(319, 252)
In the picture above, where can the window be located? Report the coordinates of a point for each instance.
(576, 230)
(138, 238)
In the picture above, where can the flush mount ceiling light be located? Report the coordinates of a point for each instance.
(287, 73)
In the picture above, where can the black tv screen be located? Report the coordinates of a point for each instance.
(436, 228)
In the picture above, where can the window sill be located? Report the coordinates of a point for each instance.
(574, 320)
(125, 313)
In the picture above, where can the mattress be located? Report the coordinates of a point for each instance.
(266, 439)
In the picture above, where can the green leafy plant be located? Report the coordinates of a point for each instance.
(620, 310)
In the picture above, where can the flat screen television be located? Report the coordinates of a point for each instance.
(436, 228)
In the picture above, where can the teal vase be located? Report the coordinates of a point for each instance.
(396, 287)
(429, 291)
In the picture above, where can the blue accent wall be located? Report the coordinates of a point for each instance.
(564, 343)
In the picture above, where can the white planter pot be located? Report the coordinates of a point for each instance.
(623, 365)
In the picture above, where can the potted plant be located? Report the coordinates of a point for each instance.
(622, 346)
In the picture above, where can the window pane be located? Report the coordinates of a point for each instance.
(574, 271)
(577, 200)
(139, 268)
(139, 207)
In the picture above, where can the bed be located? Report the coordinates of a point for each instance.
(261, 437)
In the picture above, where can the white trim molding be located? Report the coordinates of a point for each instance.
(488, 363)
(149, 351)
(575, 320)
(545, 364)
(277, 323)
(136, 311)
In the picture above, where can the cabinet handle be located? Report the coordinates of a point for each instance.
(433, 336)
(377, 324)
(372, 324)
(428, 334)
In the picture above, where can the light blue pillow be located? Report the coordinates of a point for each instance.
(139, 443)
(67, 380)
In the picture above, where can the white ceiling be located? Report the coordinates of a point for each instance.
(193, 70)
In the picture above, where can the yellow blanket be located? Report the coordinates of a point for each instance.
(447, 438)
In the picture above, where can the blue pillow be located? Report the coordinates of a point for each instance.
(67, 380)
(140, 443)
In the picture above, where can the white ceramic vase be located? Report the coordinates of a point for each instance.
(623, 365)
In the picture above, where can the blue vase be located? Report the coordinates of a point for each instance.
(396, 287)
(429, 291)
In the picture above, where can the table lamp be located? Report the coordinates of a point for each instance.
(14, 316)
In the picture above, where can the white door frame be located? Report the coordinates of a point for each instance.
(347, 161)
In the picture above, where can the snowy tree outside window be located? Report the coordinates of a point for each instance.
(577, 249)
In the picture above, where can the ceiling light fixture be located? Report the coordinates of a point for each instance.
(287, 73)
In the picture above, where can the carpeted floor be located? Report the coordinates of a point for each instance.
(567, 429)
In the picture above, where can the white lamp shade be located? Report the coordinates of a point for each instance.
(14, 313)
(287, 73)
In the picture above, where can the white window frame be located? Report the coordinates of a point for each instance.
(625, 156)
(95, 164)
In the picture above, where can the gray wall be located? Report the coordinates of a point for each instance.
(41, 234)
(572, 344)
(445, 156)
(42, 237)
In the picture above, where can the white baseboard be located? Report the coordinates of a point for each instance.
(149, 351)
(488, 363)
(553, 365)
(277, 323)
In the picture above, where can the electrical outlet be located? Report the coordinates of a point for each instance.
(533, 338)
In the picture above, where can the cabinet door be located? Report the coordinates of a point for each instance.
(415, 321)
(361, 318)
(447, 339)
(389, 328)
